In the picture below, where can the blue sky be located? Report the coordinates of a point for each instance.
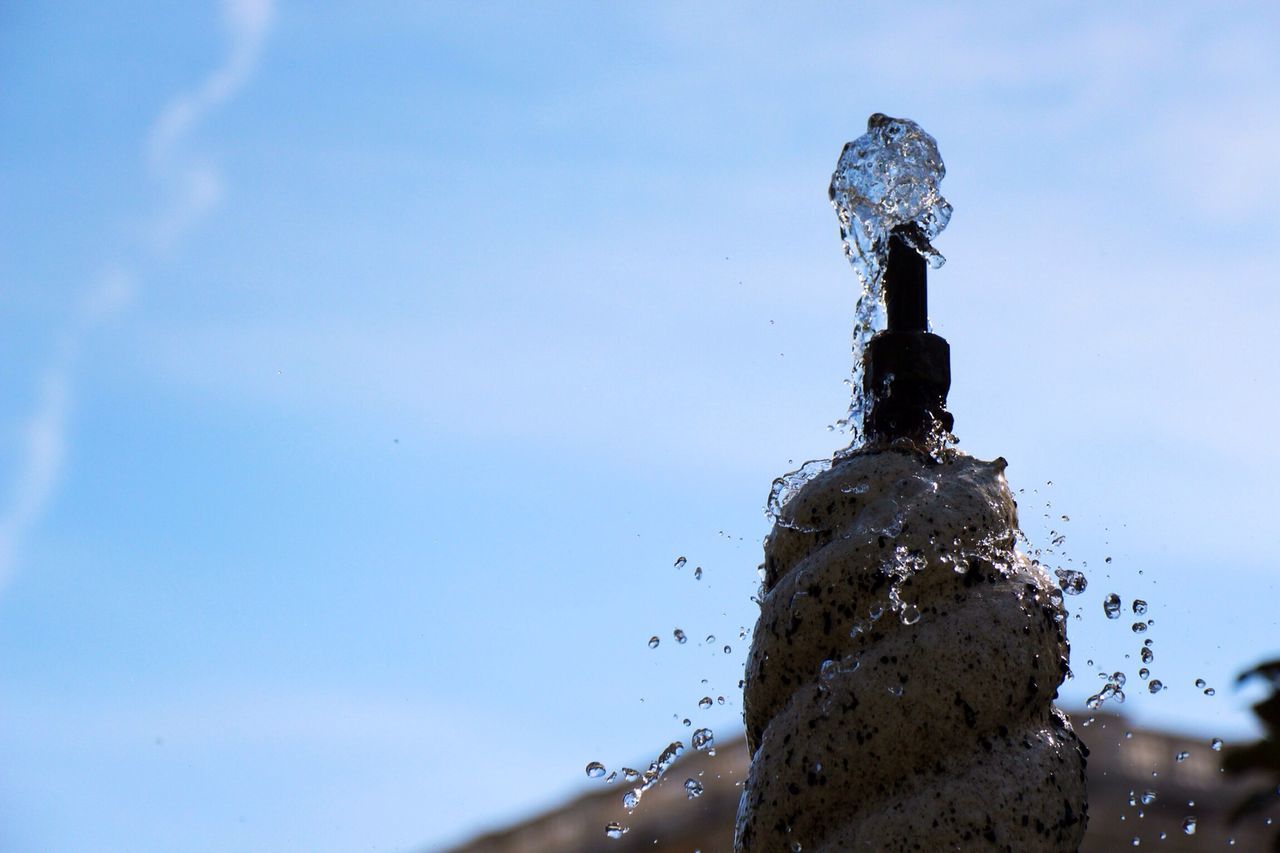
(368, 366)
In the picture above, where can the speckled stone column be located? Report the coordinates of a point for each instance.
(900, 684)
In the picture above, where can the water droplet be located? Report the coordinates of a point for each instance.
(703, 739)
(896, 689)
(704, 703)
(680, 561)
(1155, 686)
(1189, 826)
(687, 722)
(1071, 582)
(692, 788)
(1147, 655)
(1143, 673)
(1111, 606)
(1148, 797)
(910, 614)
(1200, 682)
(697, 573)
(615, 830)
(595, 770)
(611, 778)
(728, 650)
(1209, 691)
(1139, 627)
(1216, 744)
(1139, 606)
(711, 638)
(630, 775)
(1108, 559)
(719, 700)
(679, 635)
(1181, 756)
(653, 642)
(1137, 841)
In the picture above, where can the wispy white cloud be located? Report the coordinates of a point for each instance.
(247, 23)
(193, 187)
(42, 453)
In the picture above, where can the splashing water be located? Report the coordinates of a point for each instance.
(704, 739)
(650, 777)
(1071, 581)
(789, 485)
(1111, 691)
(885, 179)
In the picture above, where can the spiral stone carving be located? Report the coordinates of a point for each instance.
(900, 684)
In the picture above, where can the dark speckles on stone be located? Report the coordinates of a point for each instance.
(970, 716)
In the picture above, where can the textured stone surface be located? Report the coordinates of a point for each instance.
(900, 684)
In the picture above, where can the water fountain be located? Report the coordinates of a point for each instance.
(900, 686)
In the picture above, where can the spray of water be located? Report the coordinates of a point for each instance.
(886, 179)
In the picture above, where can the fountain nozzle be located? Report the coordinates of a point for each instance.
(907, 370)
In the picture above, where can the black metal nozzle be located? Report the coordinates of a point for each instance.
(906, 369)
(906, 285)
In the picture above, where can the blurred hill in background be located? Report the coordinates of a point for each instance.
(1146, 787)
